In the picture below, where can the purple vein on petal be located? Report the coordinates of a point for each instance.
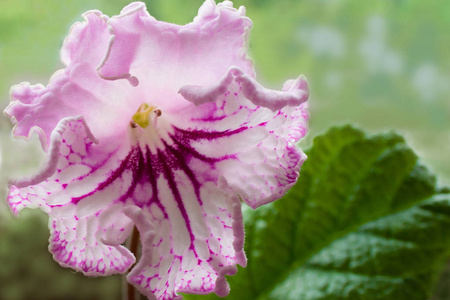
(98, 165)
(189, 150)
(209, 135)
(152, 175)
(114, 175)
(137, 168)
(185, 168)
(168, 174)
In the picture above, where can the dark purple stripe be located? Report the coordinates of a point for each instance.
(152, 176)
(183, 146)
(207, 135)
(176, 193)
(209, 119)
(115, 174)
(98, 165)
(137, 168)
(185, 168)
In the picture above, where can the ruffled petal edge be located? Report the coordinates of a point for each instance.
(51, 161)
(294, 92)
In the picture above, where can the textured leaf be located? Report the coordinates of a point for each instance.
(363, 222)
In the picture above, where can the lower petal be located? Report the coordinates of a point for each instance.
(91, 244)
(188, 255)
(85, 235)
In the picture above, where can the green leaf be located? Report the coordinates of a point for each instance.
(363, 222)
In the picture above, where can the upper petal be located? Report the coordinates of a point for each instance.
(87, 40)
(76, 90)
(163, 55)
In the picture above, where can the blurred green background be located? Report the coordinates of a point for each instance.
(380, 65)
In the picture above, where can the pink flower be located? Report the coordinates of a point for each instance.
(162, 127)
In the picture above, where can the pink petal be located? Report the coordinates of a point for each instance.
(257, 141)
(76, 90)
(91, 244)
(294, 93)
(87, 41)
(185, 54)
(85, 235)
(191, 249)
(51, 162)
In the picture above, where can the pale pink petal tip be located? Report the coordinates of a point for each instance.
(294, 93)
(22, 96)
(204, 94)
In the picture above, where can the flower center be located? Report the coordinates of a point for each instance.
(142, 116)
(149, 130)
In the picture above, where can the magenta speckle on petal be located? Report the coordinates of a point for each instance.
(163, 128)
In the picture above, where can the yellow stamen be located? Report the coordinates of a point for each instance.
(141, 117)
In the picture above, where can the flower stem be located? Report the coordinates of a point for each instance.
(133, 246)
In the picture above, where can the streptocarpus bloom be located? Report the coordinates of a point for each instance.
(162, 127)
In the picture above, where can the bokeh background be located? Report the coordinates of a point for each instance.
(380, 65)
